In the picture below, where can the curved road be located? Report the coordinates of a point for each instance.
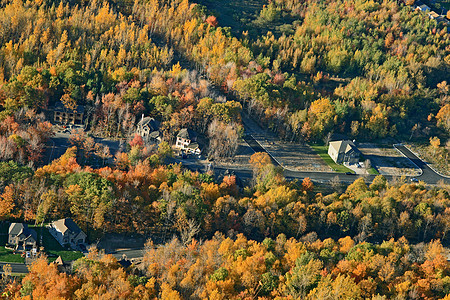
(428, 174)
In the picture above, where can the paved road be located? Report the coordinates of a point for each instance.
(128, 253)
(16, 268)
(60, 142)
(428, 174)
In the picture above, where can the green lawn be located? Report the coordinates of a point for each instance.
(53, 248)
(8, 256)
(66, 255)
(373, 171)
(322, 151)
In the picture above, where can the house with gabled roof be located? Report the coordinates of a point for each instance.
(21, 236)
(148, 129)
(67, 232)
(187, 141)
(343, 151)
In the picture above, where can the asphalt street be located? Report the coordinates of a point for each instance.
(428, 174)
(16, 268)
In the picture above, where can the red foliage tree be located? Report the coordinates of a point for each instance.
(211, 20)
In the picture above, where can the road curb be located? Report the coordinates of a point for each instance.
(435, 171)
(421, 171)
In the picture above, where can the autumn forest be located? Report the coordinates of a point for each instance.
(367, 69)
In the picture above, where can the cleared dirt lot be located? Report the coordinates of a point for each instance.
(387, 160)
(292, 156)
(241, 159)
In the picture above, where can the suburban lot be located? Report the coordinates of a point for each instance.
(387, 160)
(292, 156)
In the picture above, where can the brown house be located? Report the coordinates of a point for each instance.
(63, 115)
(148, 129)
(67, 232)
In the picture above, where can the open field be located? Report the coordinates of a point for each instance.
(439, 163)
(292, 156)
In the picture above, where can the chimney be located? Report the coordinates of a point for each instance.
(142, 119)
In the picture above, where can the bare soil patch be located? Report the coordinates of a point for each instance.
(292, 156)
(387, 160)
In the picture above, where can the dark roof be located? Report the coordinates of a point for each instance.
(66, 224)
(125, 263)
(60, 107)
(187, 134)
(16, 228)
(150, 122)
(193, 146)
(20, 228)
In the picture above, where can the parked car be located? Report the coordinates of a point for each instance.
(414, 179)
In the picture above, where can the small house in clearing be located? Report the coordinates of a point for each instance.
(344, 151)
(20, 235)
(187, 141)
(148, 129)
(67, 232)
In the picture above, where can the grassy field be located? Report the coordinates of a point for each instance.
(322, 151)
(8, 256)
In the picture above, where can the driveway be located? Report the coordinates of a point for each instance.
(60, 142)
(259, 139)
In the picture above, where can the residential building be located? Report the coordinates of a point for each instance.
(344, 151)
(21, 236)
(63, 266)
(148, 129)
(63, 115)
(187, 141)
(67, 232)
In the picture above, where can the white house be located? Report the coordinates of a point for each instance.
(187, 141)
